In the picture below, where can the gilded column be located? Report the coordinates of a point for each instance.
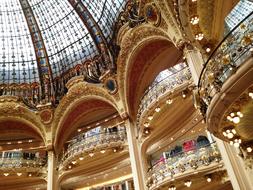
(52, 173)
(240, 178)
(195, 61)
(135, 158)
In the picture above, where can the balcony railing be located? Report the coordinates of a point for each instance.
(95, 143)
(164, 86)
(19, 162)
(229, 55)
(183, 162)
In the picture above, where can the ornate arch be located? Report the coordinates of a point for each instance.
(12, 109)
(144, 43)
(84, 95)
(132, 42)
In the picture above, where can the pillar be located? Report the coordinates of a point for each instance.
(240, 178)
(135, 159)
(195, 62)
(52, 173)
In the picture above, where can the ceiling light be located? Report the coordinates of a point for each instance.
(146, 124)
(19, 174)
(236, 120)
(169, 101)
(188, 183)
(209, 179)
(73, 162)
(91, 154)
(30, 175)
(146, 131)
(194, 20)
(8, 142)
(184, 95)
(199, 36)
(102, 151)
(157, 109)
(6, 174)
(30, 141)
(249, 149)
(150, 117)
(251, 94)
(172, 187)
(114, 150)
(81, 158)
(70, 166)
(20, 142)
(79, 130)
(208, 50)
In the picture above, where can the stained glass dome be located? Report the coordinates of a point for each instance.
(45, 42)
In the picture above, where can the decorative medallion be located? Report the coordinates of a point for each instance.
(152, 14)
(111, 85)
(46, 116)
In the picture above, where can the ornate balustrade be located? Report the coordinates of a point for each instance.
(229, 55)
(163, 86)
(10, 163)
(181, 163)
(90, 145)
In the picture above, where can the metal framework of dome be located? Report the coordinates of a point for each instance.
(45, 43)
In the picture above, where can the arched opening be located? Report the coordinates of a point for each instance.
(149, 59)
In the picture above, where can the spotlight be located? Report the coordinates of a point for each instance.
(114, 150)
(81, 158)
(70, 167)
(208, 179)
(6, 174)
(79, 130)
(30, 175)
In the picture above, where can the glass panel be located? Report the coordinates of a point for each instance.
(17, 56)
(66, 38)
(105, 13)
(239, 12)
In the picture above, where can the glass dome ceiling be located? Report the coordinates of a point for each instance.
(57, 33)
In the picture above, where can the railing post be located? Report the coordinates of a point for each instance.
(195, 62)
(240, 178)
(135, 156)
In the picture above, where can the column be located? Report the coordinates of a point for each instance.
(52, 174)
(238, 175)
(195, 62)
(136, 164)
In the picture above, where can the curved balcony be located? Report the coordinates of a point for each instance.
(17, 164)
(184, 164)
(88, 146)
(234, 51)
(164, 86)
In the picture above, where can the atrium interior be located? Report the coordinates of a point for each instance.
(126, 94)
